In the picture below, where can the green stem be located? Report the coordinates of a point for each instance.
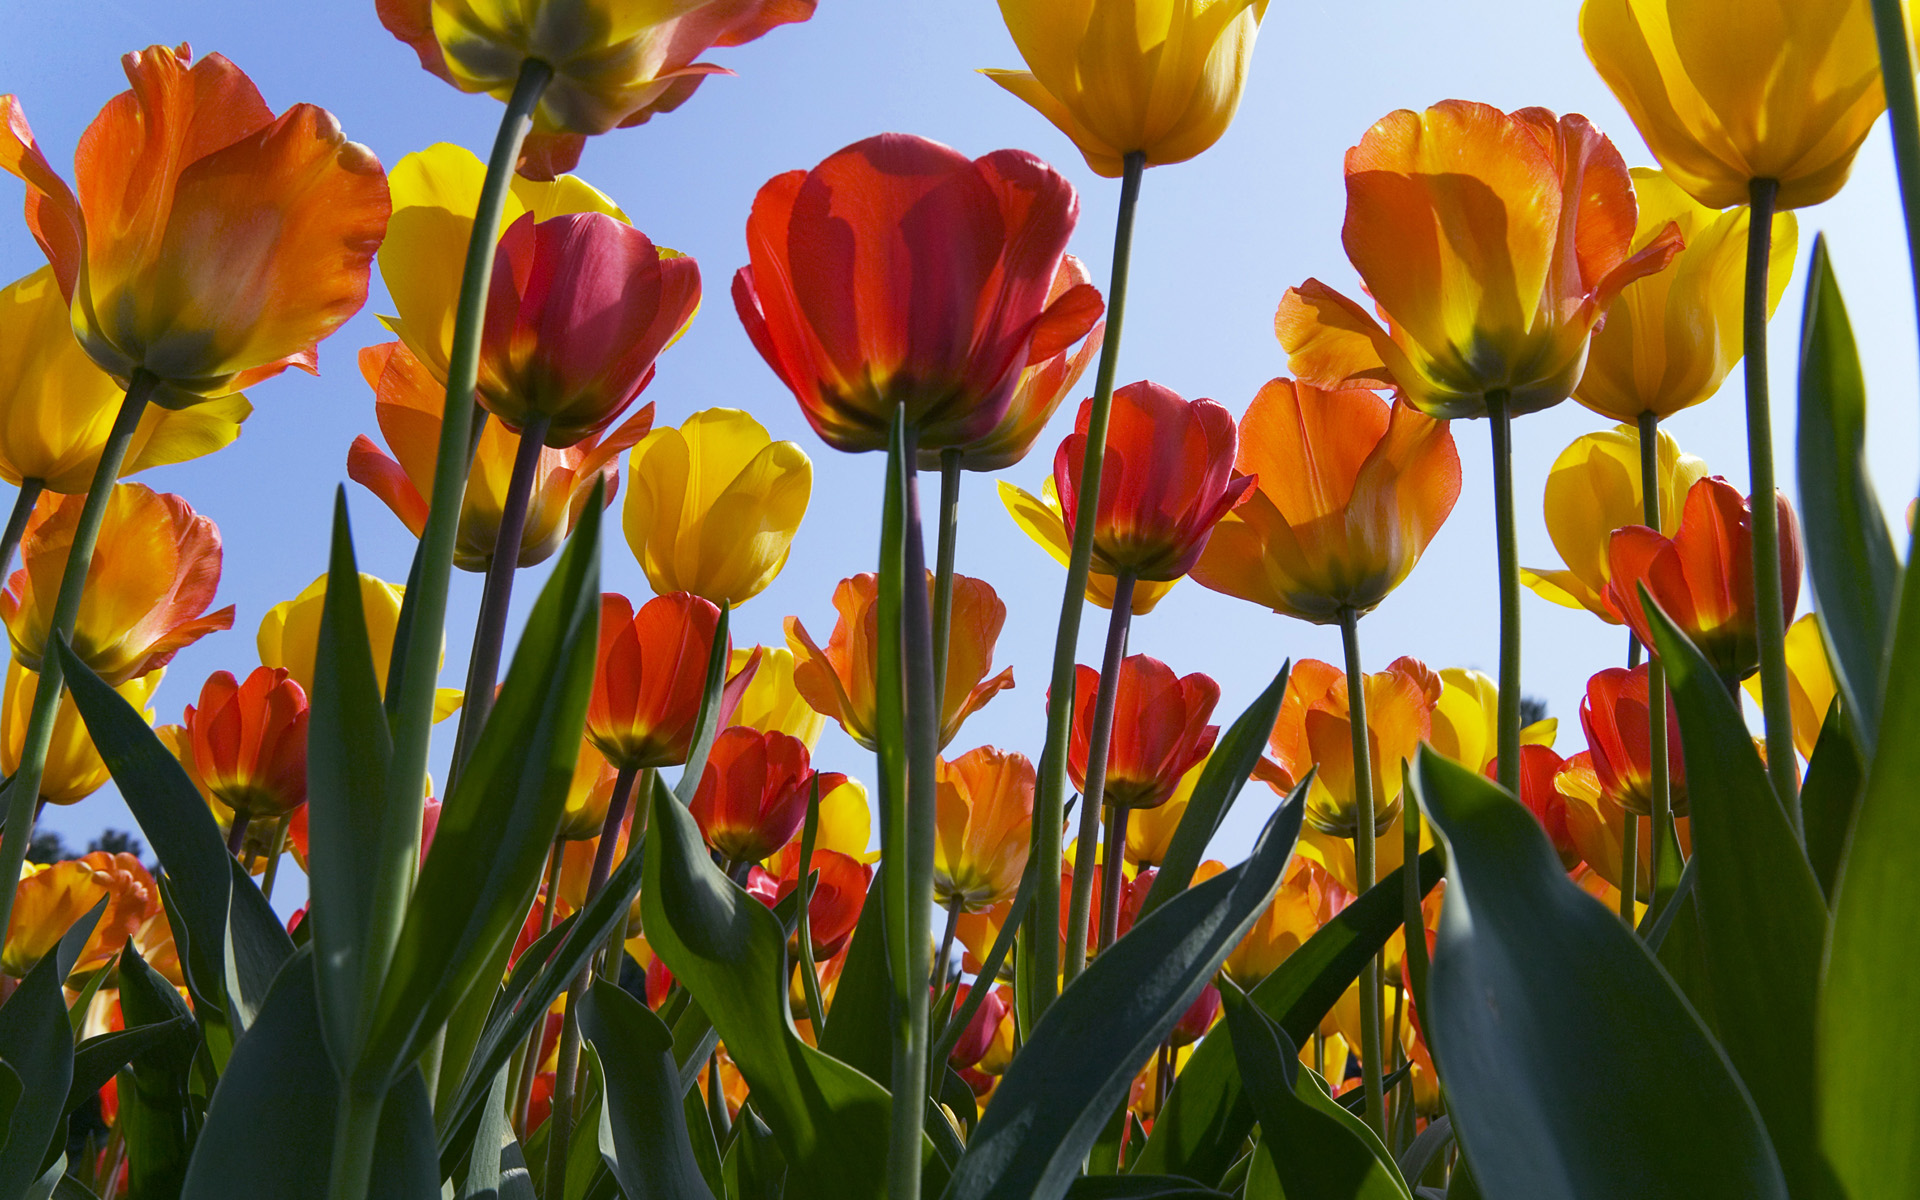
(1629, 866)
(278, 851)
(1656, 674)
(954, 908)
(1050, 799)
(1769, 610)
(1903, 119)
(943, 567)
(1111, 883)
(810, 978)
(356, 1127)
(530, 1057)
(237, 832)
(23, 503)
(1093, 795)
(23, 788)
(1503, 522)
(1415, 922)
(1363, 854)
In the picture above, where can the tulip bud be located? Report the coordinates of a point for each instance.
(753, 794)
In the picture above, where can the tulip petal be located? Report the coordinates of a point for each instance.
(1332, 342)
(53, 213)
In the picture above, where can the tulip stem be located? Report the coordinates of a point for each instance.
(356, 1127)
(1050, 798)
(1656, 674)
(1111, 883)
(1768, 604)
(23, 788)
(954, 907)
(530, 1060)
(1629, 865)
(29, 496)
(810, 977)
(490, 629)
(1414, 917)
(1363, 851)
(1093, 794)
(237, 832)
(943, 566)
(1903, 117)
(1501, 422)
(277, 851)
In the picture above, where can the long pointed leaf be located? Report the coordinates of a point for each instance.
(653, 1157)
(37, 1043)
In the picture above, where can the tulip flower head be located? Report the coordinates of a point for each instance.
(1702, 577)
(1160, 730)
(1314, 730)
(650, 679)
(1150, 831)
(1159, 78)
(770, 700)
(1039, 517)
(1730, 91)
(1493, 243)
(1811, 687)
(210, 244)
(74, 768)
(984, 804)
(408, 406)
(1540, 770)
(978, 1037)
(1350, 490)
(147, 588)
(1594, 489)
(715, 505)
(753, 794)
(838, 895)
(1167, 480)
(1595, 824)
(840, 681)
(1308, 898)
(589, 795)
(52, 896)
(1465, 724)
(1614, 713)
(614, 65)
(250, 741)
(289, 635)
(901, 274)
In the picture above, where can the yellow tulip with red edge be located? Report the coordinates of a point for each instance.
(74, 768)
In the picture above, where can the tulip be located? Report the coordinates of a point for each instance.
(1726, 93)
(250, 741)
(983, 1030)
(1167, 481)
(985, 812)
(838, 894)
(715, 505)
(1670, 339)
(846, 822)
(934, 297)
(211, 245)
(146, 593)
(1313, 730)
(1464, 720)
(1157, 78)
(1540, 770)
(56, 406)
(650, 679)
(840, 682)
(1614, 714)
(1199, 1017)
(289, 635)
(51, 897)
(1702, 576)
(408, 407)
(1594, 489)
(1150, 831)
(589, 793)
(1040, 518)
(753, 794)
(74, 768)
(612, 64)
(1810, 681)
(1595, 825)
(1308, 898)
(1350, 491)
(1160, 730)
(772, 703)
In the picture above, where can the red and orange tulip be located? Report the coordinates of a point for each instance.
(1614, 713)
(1702, 577)
(934, 298)
(147, 588)
(984, 805)
(51, 897)
(1350, 490)
(1314, 730)
(211, 244)
(753, 795)
(1594, 827)
(1540, 770)
(651, 675)
(838, 895)
(250, 741)
(1160, 730)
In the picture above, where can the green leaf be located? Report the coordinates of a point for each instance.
(858, 1030)
(99, 1059)
(1226, 772)
(1140, 1187)
(591, 1143)
(1203, 1126)
(706, 725)
(37, 1043)
(1319, 1149)
(729, 951)
(491, 1173)
(1850, 556)
(1560, 1039)
(1761, 910)
(753, 1167)
(158, 1113)
(180, 828)
(1085, 1051)
(653, 1157)
(491, 843)
(1830, 794)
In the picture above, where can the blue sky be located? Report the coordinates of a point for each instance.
(1218, 240)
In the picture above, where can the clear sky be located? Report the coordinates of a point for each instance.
(1218, 240)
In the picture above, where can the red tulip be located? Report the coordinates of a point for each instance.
(1614, 714)
(1160, 730)
(838, 895)
(978, 1036)
(1539, 769)
(250, 741)
(753, 795)
(651, 676)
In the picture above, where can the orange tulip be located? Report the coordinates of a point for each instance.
(211, 244)
(1160, 730)
(147, 588)
(1350, 492)
(1314, 730)
(51, 897)
(1540, 771)
(901, 274)
(1492, 243)
(1702, 577)
(1614, 713)
(840, 681)
(1595, 825)
(651, 676)
(753, 795)
(838, 895)
(984, 805)
(1308, 898)
(408, 404)
(250, 741)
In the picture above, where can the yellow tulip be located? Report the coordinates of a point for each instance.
(1729, 91)
(1465, 727)
(1307, 899)
(846, 822)
(1157, 77)
(1040, 519)
(74, 770)
(56, 406)
(289, 635)
(589, 793)
(1670, 339)
(1150, 830)
(771, 703)
(1810, 683)
(1594, 489)
(713, 505)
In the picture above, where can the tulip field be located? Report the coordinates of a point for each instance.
(573, 901)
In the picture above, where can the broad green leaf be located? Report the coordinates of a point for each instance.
(158, 1113)
(729, 951)
(1140, 1187)
(859, 1026)
(1830, 794)
(706, 725)
(1203, 1126)
(753, 1168)
(491, 1172)
(1085, 1051)
(653, 1157)
(1850, 556)
(1226, 772)
(37, 1043)
(1560, 1040)
(1318, 1148)
(99, 1059)
(491, 843)
(1761, 910)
